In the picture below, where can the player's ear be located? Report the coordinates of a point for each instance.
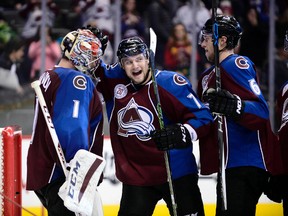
(225, 38)
(222, 41)
(121, 64)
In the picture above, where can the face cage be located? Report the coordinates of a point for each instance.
(81, 56)
(88, 67)
(286, 42)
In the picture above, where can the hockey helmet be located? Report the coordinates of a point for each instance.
(227, 26)
(132, 46)
(83, 49)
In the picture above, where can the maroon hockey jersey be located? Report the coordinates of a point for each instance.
(282, 116)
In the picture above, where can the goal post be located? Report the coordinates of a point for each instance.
(11, 170)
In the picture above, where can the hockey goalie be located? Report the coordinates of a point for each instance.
(67, 139)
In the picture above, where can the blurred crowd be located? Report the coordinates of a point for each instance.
(175, 23)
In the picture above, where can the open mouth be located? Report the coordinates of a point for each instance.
(137, 73)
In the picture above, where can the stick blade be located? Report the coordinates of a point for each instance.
(35, 84)
(153, 40)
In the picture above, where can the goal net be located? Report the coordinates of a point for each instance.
(10, 171)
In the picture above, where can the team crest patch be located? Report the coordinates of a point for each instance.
(135, 120)
(120, 91)
(179, 80)
(80, 82)
(205, 82)
(241, 62)
(254, 86)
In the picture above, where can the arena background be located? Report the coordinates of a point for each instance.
(19, 111)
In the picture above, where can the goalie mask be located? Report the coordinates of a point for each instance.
(228, 26)
(83, 49)
(130, 47)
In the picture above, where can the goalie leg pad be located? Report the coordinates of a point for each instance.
(79, 190)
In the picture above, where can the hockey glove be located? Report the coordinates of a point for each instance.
(172, 136)
(223, 102)
(99, 34)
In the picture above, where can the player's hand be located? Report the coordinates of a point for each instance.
(172, 136)
(223, 102)
(99, 34)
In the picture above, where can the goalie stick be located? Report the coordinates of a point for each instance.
(153, 43)
(221, 173)
(36, 86)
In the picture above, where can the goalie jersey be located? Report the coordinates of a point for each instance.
(132, 115)
(76, 111)
(249, 141)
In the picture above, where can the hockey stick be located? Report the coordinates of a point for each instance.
(16, 204)
(36, 86)
(222, 176)
(153, 43)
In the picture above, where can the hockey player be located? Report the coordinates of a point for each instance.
(128, 91)
(282, 113)
(248, 138)
(76, 111)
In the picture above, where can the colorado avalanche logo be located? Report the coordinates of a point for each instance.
(80, 82)
(179, 80)
(241, 62)
(135, 120)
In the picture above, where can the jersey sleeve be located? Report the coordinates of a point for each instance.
(177, 90)
(239, 77)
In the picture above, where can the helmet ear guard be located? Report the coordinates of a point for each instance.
(67, 42)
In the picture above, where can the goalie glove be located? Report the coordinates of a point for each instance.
(225, 103)
(173, 136)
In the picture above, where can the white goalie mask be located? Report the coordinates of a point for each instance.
(83, 49)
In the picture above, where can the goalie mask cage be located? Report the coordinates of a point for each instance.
(10, 171)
